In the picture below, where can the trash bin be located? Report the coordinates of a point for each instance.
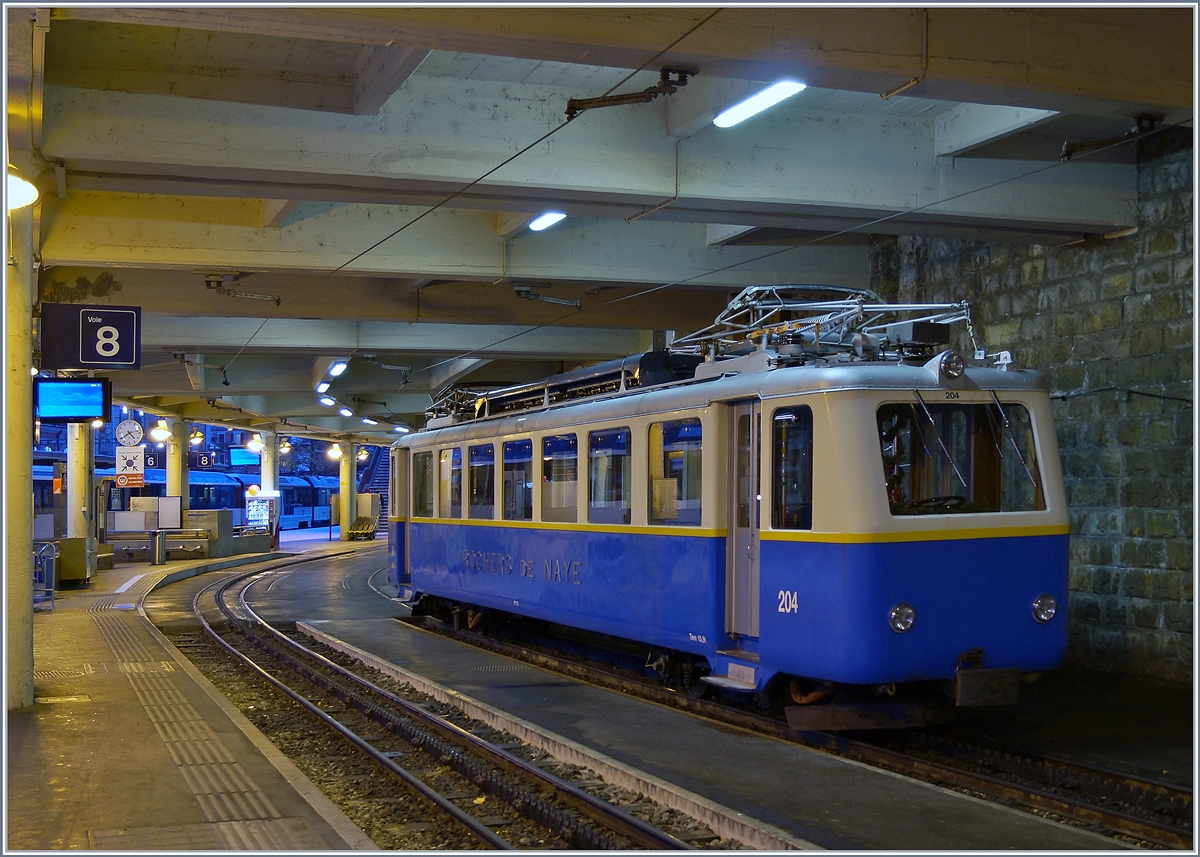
(158, 547)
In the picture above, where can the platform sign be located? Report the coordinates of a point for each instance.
(153, 460)
(199, 459)
(91, 337)
(131, 467)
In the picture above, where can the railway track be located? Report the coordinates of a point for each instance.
(1126, 807)
(365, 716)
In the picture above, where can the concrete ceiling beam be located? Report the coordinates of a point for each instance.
(1080, 59)
(442, 375)
(969, 126)
(379, 71)
(95, 230)
(283, 335)
(783, 166)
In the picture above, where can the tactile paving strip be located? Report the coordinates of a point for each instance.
(226, 793)
(277, 834)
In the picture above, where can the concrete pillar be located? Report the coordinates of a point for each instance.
(268, 461)
(347, 488)
(17, 519)
(177, 466)
(80, 440)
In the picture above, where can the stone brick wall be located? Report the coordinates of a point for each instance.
(1109, 323)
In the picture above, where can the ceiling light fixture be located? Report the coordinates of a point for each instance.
(757, 103)
(327, 401)
(402, 429)
(161, 431)
(346, 412)
(334, 452)
(20, 192)
(97, 423)
(285, 446)
(196, 437)
(546, 220)
(370, 421)
(255, 444)
(363, 454)
(337, 368)
(323, 386)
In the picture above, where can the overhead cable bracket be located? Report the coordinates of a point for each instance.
(669, 80)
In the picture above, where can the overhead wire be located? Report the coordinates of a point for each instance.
(466, 187)
(815, 240)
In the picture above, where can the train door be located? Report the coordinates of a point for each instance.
(399, 546)
(741, 583)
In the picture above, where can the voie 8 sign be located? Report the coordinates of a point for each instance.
(91, 337)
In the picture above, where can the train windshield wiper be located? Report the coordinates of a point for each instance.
(1013, 439)
(933, 424)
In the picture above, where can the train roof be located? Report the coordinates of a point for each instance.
(754, 376)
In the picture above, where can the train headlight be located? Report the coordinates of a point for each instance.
(1044, 607)
(952, 365)
(901, 617)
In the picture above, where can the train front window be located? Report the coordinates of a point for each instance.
(422, 485)
(675, 472)
(560, 478)
(792, 462)
(959, 458)
(451, 483)
(482, 469)
(608, 476)
(518, 480)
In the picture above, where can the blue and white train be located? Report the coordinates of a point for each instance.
(839, 505)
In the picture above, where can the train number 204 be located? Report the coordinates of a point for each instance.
(787, 602)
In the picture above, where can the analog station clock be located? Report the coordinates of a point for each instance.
(129, 432)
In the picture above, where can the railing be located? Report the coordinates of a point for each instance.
(45, 570)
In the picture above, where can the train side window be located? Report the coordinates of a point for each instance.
(422, 485)
(608, 476)
(792, 480)
(560, 478)
(675, 472)
(518, 480)
(451, 482)
(482, 470)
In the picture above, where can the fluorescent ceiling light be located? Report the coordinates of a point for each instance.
(401, 428)
(346, 412)
(757, 103)
(323, 386)
(370, 421)
(337, 368)
(548, 219)
(327, 401)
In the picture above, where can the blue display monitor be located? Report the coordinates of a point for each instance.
(72, 400)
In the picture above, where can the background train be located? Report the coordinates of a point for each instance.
(305, 498)
(846, 512)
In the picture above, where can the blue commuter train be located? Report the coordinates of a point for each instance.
(837, 506)
(305, 498)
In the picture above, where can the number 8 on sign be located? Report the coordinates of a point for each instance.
(108, 341)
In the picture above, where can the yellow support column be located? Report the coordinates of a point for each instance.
(346, 488)
(18, 495)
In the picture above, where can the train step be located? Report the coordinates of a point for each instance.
(729, 683)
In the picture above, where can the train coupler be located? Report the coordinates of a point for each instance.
(978, 687)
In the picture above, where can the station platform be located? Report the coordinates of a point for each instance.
(801, 798)
(128, 748)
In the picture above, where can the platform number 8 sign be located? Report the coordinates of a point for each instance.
(91, 337)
